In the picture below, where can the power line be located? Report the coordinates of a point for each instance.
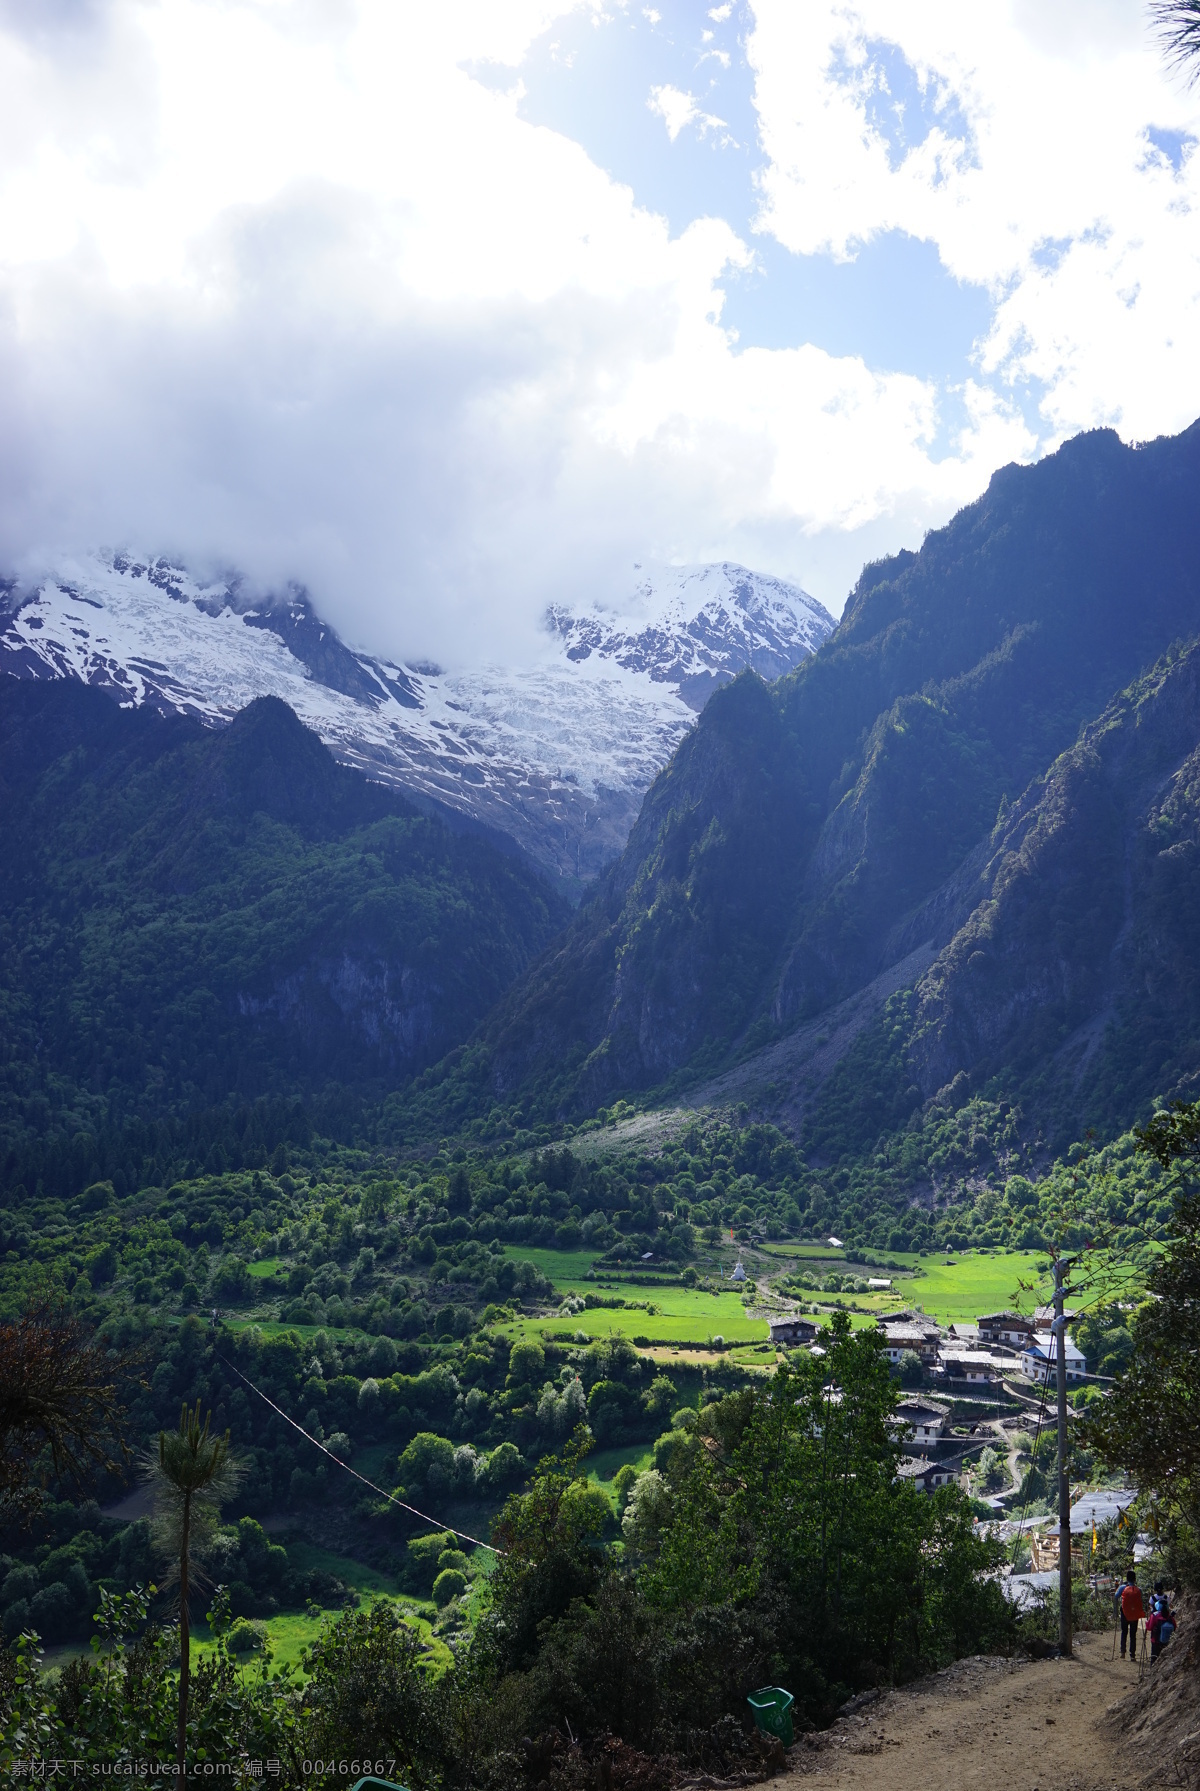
(390, 1497)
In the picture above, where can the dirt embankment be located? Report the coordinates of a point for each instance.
(1087, 1724)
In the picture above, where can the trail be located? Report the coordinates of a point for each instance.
(995, 1725)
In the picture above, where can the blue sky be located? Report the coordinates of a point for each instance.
(451, 312)
(591, 77)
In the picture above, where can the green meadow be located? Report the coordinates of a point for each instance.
(948, 1288)
(682, 1315)
(562, 1266)
(291, 1632)
(974, 1282)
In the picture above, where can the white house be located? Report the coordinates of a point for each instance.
(920, 1421)
(927, 1475)
(1039, 1359)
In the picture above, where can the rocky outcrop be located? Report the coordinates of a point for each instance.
(1082, 947)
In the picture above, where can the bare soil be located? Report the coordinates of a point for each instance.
(995, 1725)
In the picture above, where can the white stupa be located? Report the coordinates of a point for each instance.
(739, 1272)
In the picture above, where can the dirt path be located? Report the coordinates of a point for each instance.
(989, 1724)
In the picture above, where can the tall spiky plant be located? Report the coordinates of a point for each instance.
(190, 1475)
(1178, 27)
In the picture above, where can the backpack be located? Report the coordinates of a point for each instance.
(1131, 1603)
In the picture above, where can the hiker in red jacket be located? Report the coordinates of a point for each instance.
(1132, 1612)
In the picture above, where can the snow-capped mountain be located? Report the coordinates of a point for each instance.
(556, 754)
(695, 626)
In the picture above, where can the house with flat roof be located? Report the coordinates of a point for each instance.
(976, 1366)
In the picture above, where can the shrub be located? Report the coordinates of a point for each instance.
(424, 1553)
(245, 1636)
(450, 1583)
(624, 1481)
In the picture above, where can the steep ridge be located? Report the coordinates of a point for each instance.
(1081, 951)
(188, 914)
(1062, 958)
(555, 754)
(782, 857)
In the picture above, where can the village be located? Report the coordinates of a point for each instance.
(972, 1387)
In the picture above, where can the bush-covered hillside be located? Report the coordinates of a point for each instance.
(188, 917)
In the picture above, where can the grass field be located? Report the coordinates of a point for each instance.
(949, 1289)
(974, 1282)
(685, 1315)
(798, 1252)
(291, 1632)
(605, 1464)
(559, 1265)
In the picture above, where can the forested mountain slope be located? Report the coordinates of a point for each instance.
(783, 857)
(188, 915)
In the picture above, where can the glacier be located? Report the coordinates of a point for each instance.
(555, 754)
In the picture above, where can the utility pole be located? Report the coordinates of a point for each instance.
(1059, 1330)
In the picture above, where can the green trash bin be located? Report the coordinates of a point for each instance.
(772, 1707)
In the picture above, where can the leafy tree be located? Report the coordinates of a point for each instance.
(428, 1461)
(647, 1510)
(798, 1511)
(526, 1363)
(1150, 1424)
(549, 1555)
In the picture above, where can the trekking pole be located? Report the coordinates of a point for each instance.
(1112, 1653)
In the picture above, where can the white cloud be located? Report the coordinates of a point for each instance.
(282, 285)
(1035, 178)
(677, 110)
